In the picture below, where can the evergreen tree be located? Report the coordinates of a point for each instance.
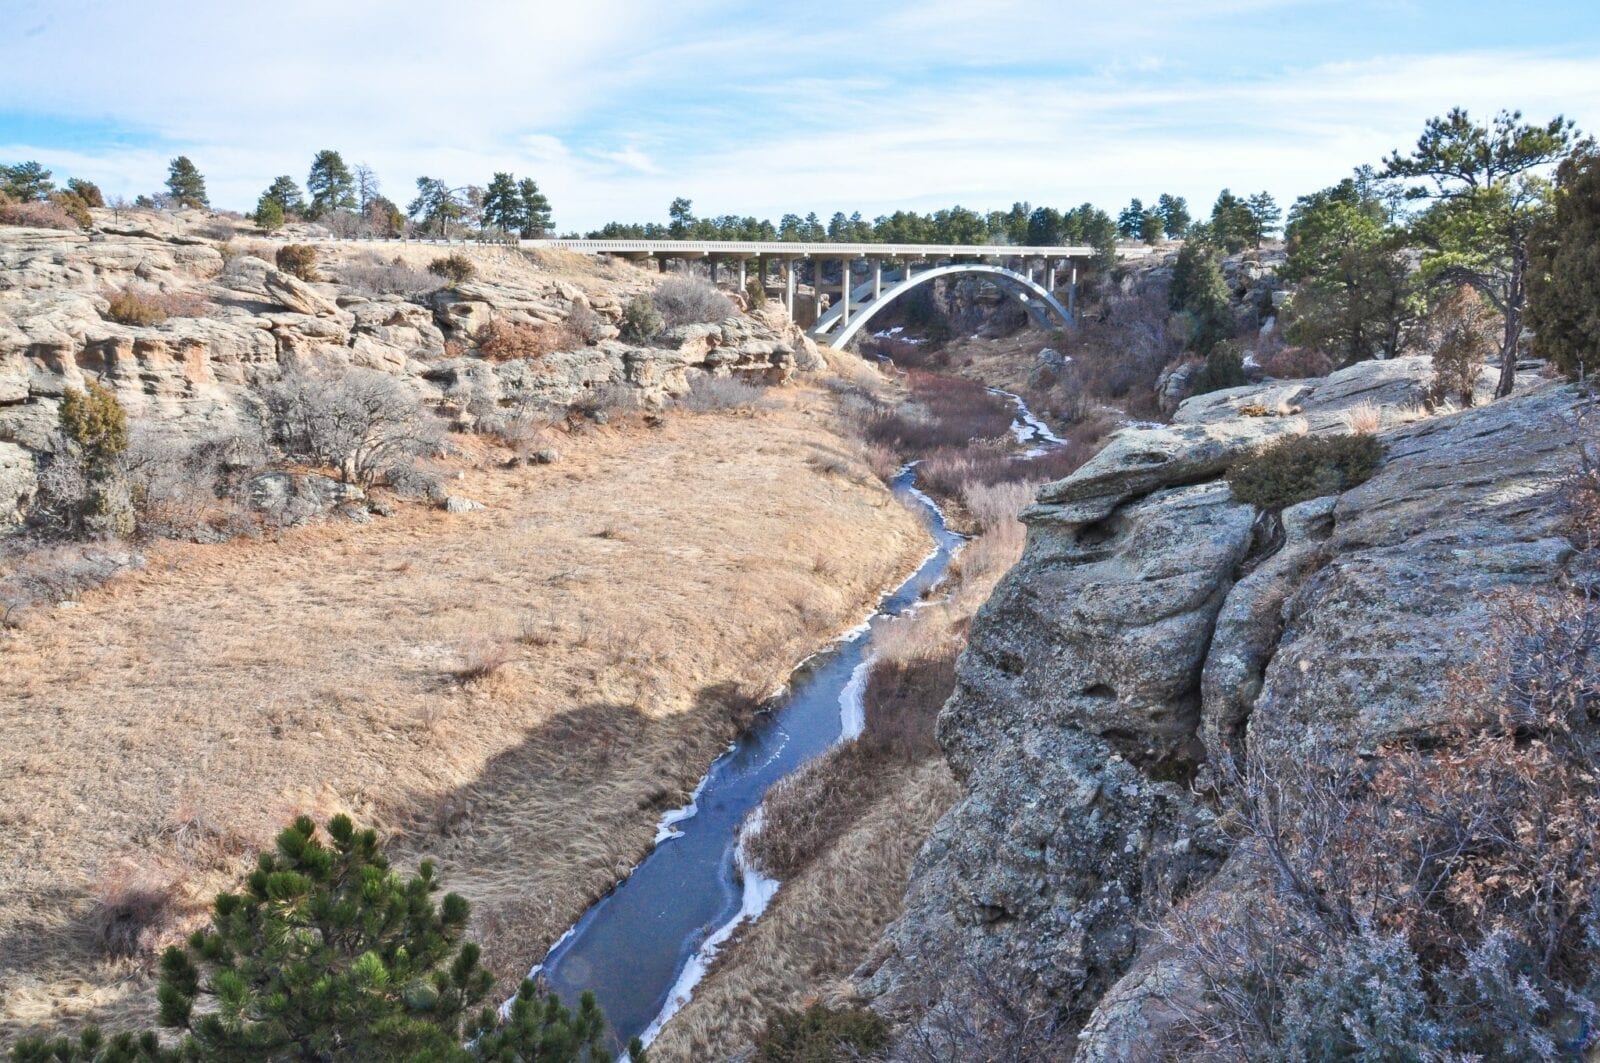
(1199, 293)
(1044, 227)
(286, 194)
(330, 184)
(329, 956)
(1016, 224)
(1150, 227)
(1564, 269)
(1130, 223)
(1355, 294)
(185, 184)
(1485, 200)
(536, 219)
(681, 212)
(25, 182)
(1174, 214)
(1233, 226)
(87, 191)
(1264, 214)
(268, 214)
(502, 203)
(436, 205)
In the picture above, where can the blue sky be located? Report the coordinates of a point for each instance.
(617, 106)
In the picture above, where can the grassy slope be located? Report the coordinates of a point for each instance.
(641, 590)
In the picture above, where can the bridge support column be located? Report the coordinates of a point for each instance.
(788, 286)
(713, 264)
(1072, 294)
(877, 279)
(844, 288)
(661, 263)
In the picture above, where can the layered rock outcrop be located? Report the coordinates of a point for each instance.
(245, 323)
(1153, 626)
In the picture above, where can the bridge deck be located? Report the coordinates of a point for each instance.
(788, 249)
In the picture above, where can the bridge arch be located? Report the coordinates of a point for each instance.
(1045, 309)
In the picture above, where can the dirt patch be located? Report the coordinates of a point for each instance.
(516, 692)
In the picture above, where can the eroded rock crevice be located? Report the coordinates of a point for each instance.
(1155, 628)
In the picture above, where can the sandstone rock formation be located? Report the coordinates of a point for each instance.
(1153, 626)
(195, 376)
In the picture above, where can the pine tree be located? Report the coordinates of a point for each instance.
(185, 184)
(535, 209)
(1150, 227)
(268, 214)
(1130, 223)
(437, 204)
(1487, 199)
(330, 184)
(502, 203)
(286, 194)
(1233, 226)
(328, 955)
(1264, 214)
(25, 182)
(1199, 292)
(1174, 212)
(1564, 273)
(681, 212)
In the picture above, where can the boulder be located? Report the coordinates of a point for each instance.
(458, 504)
(297, 295)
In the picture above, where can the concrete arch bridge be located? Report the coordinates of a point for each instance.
(1034, 276)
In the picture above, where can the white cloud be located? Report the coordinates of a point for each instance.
(617, 106)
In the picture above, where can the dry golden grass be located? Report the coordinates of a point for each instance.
(505, 691)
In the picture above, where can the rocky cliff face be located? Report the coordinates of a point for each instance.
(1153, 624)
(194, 375)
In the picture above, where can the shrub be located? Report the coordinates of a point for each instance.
(87, 191)
(1462, 332)
(385, 278)
(506, 341)
(640, 320)
(821, 1034)
(1224, 368)
(129, 307)
(755, 293)
(688, 301)
(37, 216)
(1293, 470)
(724, 395)
(903, 699)
(455, 268)
(583, 325)
(362, 422)
(75, 208)
(1438, 891)
(947, 412)
(298, 260)
(94, 427)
